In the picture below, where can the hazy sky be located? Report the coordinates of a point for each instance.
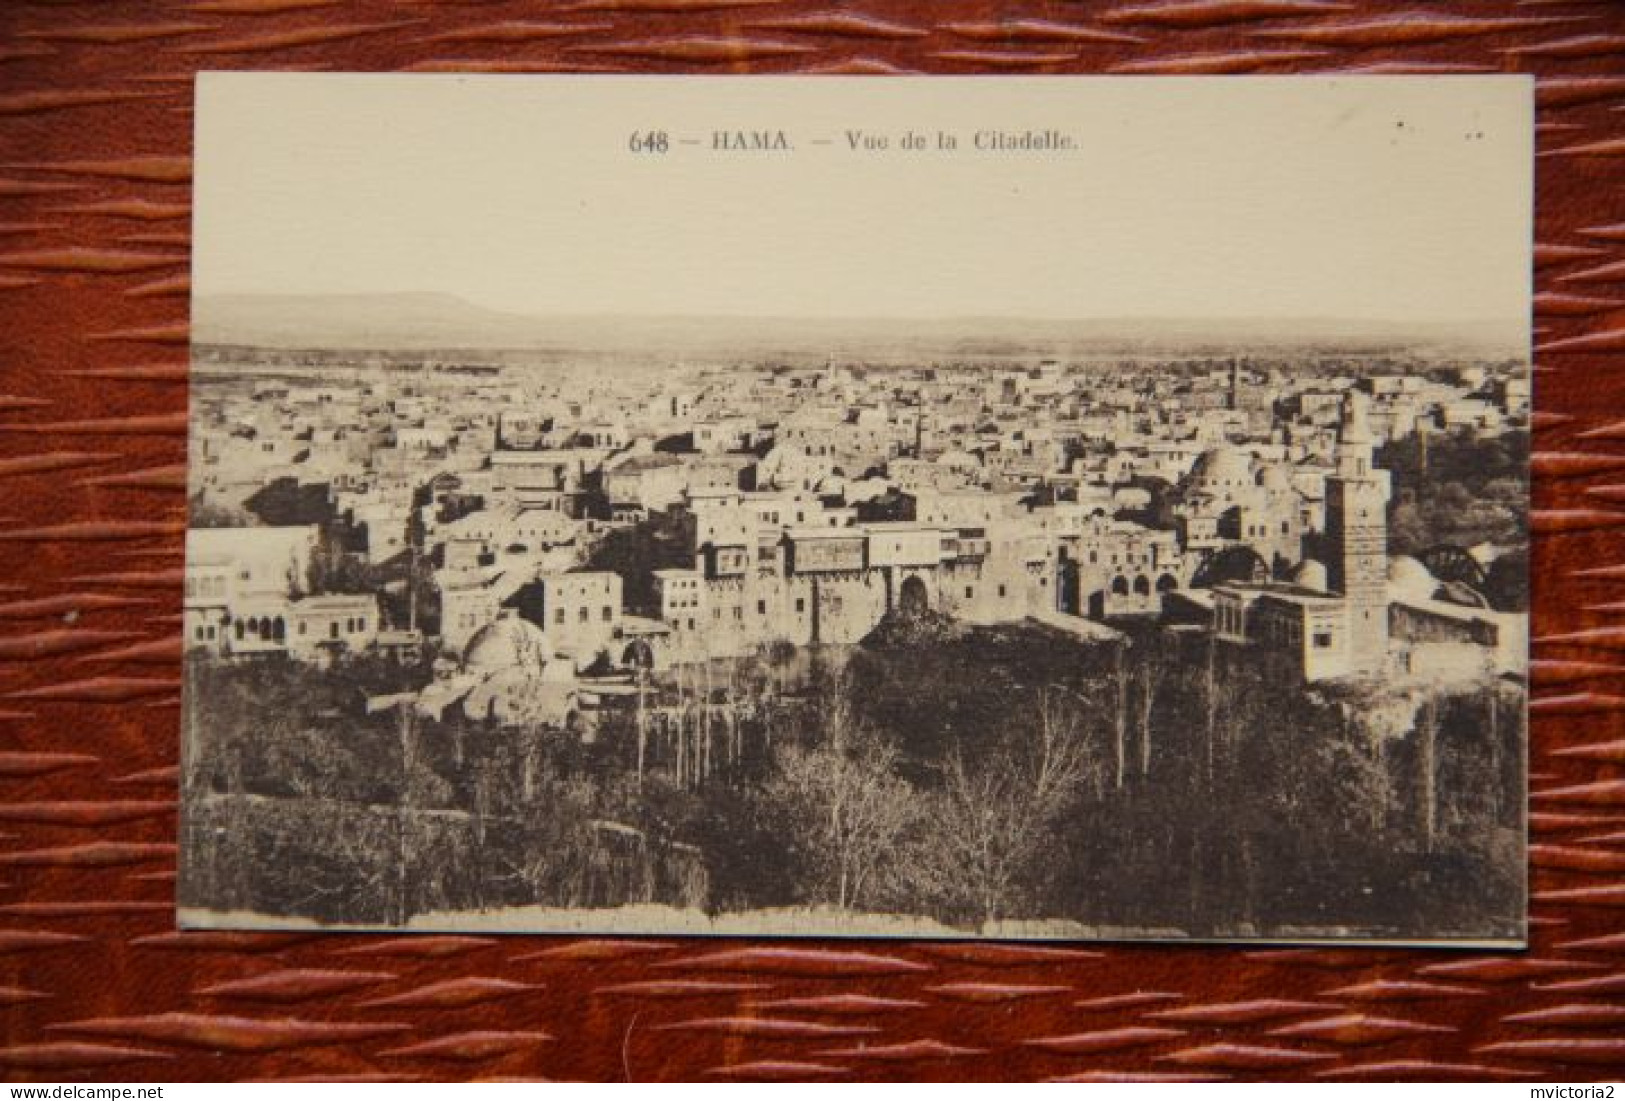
(1395, 198)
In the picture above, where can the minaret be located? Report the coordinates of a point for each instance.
(1357, 531)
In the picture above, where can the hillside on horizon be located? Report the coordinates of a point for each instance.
(434, 320)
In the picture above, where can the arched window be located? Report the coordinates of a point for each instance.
(1167, 583)
(279, 629)
(1142, 587)
(1119, 586)
(237, 629)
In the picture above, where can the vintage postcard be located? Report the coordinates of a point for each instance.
(1017, 508)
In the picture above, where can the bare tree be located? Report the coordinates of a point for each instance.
(1120, 712)
(1062, 760)
(1427, 765)
(997, 814)
(844, 804)
(1152, 671)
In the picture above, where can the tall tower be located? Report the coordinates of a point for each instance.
(1357, 531)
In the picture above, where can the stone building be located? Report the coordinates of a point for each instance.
(245, 594)
(1343, 631)
(1357, 533)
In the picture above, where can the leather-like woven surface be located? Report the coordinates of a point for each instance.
(94, 983)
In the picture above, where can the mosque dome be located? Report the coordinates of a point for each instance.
(1407, 577)
(1273, 479)
(1222, 468)
(509, 643)
(1310, 574)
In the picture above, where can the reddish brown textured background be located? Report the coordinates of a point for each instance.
(95, 983)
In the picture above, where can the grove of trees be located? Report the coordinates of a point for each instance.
(1461, 488)
(999, 779)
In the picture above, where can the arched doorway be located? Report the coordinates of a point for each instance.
(1231, 564)
(912, 598)
(1068, 597)
(638, 655)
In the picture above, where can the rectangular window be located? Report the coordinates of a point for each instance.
(1323, 640)
(1001, 590)
(609, 613)
(761, 607)
(584, 615)
(558, 616)
(970, 591)
(361, 624)
(801, 604)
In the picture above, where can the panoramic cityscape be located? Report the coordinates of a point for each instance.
(595, 530)
(825, 644)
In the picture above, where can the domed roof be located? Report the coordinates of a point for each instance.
(1310, 574)
(509, 643)
(1407, 577)
(1274, 478)
(1222, 466)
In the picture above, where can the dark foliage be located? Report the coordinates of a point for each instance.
(1165, 783)
(287, 502)
(1459, 488)
(635, 552)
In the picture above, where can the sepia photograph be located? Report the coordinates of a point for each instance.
(1019, 508)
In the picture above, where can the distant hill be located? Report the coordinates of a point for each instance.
(359, 320)
(433, 320)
